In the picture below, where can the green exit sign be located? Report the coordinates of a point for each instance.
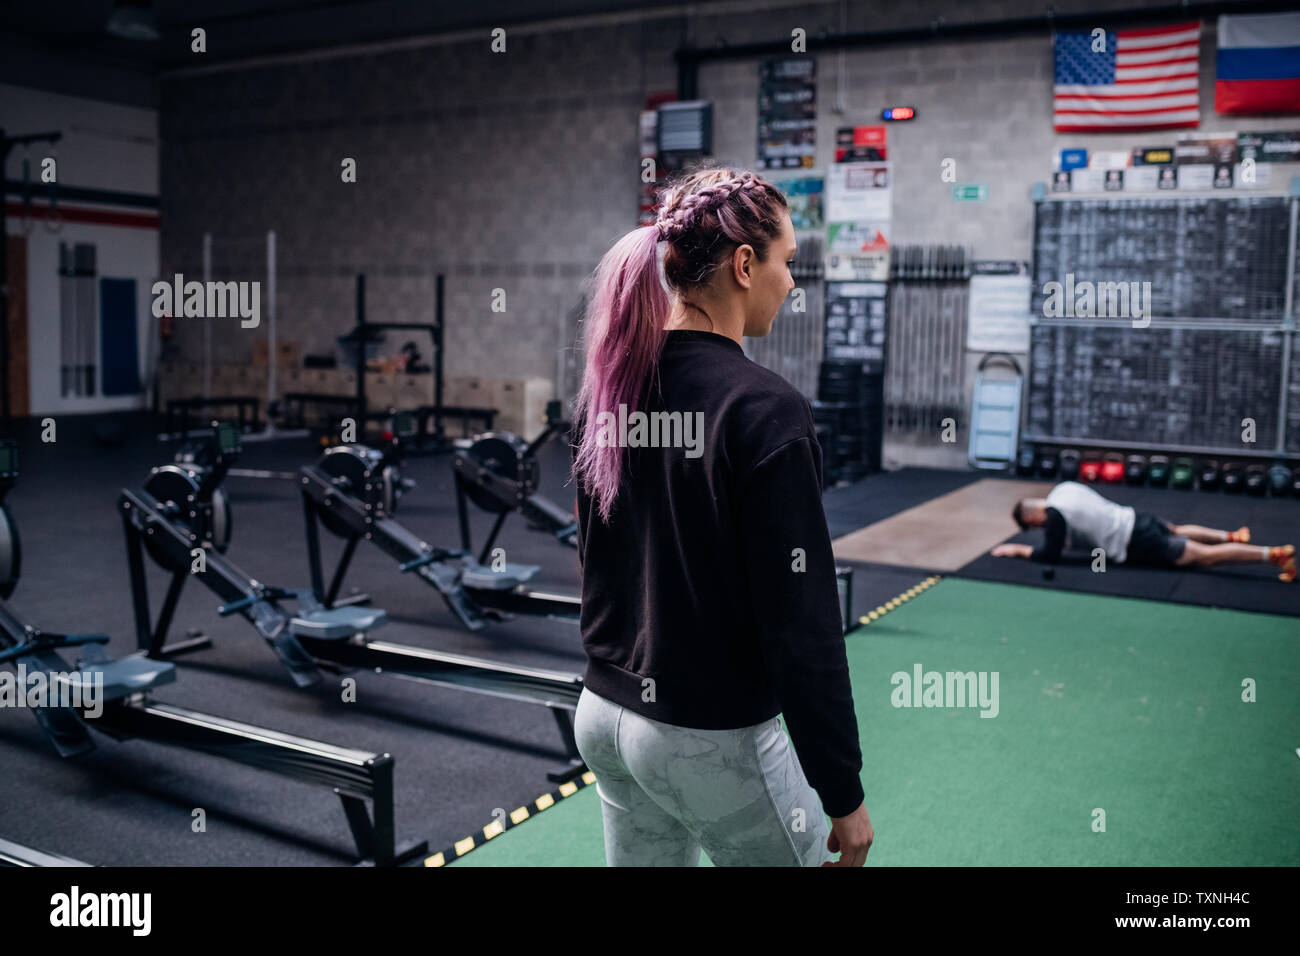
(970, 192)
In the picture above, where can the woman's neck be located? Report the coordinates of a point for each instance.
(691, 317)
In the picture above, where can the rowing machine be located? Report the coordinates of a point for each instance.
(352, 491)
(499, 473)
(15, 854)
(171, 518)
(124, 687)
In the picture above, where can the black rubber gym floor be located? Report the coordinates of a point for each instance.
(459, 757)
(879, 496)
(1248, 587)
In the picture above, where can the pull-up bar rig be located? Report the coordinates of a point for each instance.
(6, 144)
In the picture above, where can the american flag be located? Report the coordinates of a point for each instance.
(1144, 79)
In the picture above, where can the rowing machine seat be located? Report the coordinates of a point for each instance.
(123, 677)
(482, 578)
(337, 623)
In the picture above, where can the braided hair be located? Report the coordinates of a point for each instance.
(709, 214)
(705, 216)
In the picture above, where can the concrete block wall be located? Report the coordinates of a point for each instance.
(517, 174)
(518, 171)
(986, 104)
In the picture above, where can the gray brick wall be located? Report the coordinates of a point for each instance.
(519, 170)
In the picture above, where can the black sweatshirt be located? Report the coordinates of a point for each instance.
(696, 609)
(1054, 535)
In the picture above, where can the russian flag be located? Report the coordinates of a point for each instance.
(1258, 64)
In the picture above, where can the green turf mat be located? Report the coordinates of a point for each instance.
(1128, 706)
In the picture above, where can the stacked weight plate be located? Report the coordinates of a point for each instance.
(826, 421)
(860, 429)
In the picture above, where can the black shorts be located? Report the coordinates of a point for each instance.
(1154, 543)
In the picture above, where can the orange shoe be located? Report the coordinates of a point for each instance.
(1241, 535)
(1284, 557)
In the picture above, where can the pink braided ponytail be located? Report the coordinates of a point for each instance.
(704, 217)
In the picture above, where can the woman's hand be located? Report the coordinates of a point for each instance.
(1012, 551)
(851, 837)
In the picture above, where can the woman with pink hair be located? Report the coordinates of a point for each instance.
(709, 600)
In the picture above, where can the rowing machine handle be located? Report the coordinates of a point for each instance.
(49, 642)
(244, 603)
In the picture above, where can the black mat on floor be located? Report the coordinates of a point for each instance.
(887, 493)
(1245, 587)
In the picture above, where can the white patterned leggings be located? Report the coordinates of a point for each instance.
(667, 791)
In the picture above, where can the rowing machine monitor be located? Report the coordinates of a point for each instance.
(403, 426)
(215, 450)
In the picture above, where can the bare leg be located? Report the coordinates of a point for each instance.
(1196, 532)
(1229, 553)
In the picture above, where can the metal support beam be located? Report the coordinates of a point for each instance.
(940, 31)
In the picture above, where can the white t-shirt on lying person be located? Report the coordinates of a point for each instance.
(1091, 521)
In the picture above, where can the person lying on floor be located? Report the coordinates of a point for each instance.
(1075, 517)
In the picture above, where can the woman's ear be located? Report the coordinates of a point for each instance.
(743, 265)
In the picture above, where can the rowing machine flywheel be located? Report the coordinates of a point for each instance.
(505, 455)
(352, 468)
(176, 489)
(11, 553)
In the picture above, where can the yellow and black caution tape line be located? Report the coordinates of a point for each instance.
(906, 596)
(522, 814)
